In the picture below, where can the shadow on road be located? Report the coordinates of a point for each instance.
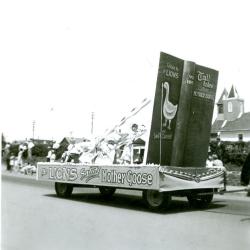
(133, 202)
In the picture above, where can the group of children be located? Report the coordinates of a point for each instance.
(115, 148)
(213, 161)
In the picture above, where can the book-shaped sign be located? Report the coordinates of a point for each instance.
(182, 113)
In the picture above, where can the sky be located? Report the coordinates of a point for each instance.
(61, 61)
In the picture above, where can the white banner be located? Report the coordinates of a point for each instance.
(135, 177)
(123, 176)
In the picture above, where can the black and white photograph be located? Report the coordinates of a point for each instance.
(125, 125)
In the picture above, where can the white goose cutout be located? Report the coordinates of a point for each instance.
(169, 109)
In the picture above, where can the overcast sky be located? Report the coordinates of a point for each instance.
(61, 60)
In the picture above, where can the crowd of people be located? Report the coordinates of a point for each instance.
(114, 148)
(17, 163)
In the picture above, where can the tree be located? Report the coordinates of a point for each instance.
(3, 141)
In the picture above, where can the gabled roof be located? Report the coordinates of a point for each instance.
(223, 96)
(71, 140)
(233, 93)
(139, 141)
(216, 127)
(242, 123)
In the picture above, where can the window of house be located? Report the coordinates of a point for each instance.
(240, 137)
(220, 108)
(230, 107)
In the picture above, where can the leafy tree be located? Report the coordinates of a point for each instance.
(40, 150)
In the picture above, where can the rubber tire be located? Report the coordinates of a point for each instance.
(63, 190)
(156, 200)
(107, 192)
(201, 201)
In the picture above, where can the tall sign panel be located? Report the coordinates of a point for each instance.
(182, 113)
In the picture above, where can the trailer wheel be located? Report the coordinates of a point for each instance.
(63, 190)
(107, 191)
(156, 200)
(199, 201)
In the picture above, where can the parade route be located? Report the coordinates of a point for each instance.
(34, 218)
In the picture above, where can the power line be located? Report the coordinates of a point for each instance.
(33, 129)
(92, 122)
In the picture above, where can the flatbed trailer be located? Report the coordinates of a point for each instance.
(157, 183)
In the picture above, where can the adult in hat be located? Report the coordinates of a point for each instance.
(245, 172)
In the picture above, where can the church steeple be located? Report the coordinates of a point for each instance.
(223, 96)
(233, 105)
(229, 106)
(233, 93)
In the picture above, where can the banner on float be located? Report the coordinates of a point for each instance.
(177, 178)
(124, 176)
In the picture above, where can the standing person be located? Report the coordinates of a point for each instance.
(7, 156)
(245, 172)
(20, 158)
(127, 150)
(30, 146)
(12, 161)
(53, 156)
(49, 155)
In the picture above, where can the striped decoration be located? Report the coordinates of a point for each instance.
(132, 113)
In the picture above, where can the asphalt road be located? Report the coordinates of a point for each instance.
(34, 218)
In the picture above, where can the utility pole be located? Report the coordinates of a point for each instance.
(33, 129)
(92, 122)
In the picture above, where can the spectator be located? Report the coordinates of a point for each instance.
(7, 156)
(216, 161)
(28, 169)
(53, 156)
(49, 155)
(20, 158)
(30, 146)
(209, 162)
(64, 156)
(12, 161)
(245, 172)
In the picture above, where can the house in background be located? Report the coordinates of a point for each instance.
(231, 123)
(46, 142)
(66, 141)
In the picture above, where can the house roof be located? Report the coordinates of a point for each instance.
(71, 140)
(216, 127)
(242, 123)
(139, 141)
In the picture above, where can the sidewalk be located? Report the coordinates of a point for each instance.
(238, 191)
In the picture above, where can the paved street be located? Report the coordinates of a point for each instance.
(34, 218)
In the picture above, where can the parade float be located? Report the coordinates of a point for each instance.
(172, 160)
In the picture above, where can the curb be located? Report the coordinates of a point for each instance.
(238, 191)
(25, 179)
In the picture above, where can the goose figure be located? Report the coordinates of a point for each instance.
(169, 109)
